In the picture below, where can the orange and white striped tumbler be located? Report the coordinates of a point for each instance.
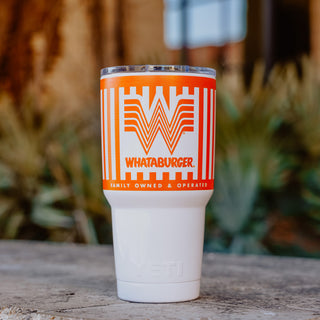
(158, 136)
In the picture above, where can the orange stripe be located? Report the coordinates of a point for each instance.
(158, 185)
(103, 135)
(178, 176)
(109, 133)
(213, 132)
(208, 133)
(117, 133)
(128, 176)
(153, 176)
(165, 176)
(200, 141)
(140, 176)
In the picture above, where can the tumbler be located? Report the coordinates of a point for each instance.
(157, 142)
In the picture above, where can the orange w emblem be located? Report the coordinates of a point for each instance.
(135, 120)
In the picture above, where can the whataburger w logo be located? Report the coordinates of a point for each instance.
(171, 130)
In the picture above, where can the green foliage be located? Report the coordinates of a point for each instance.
(50, 173)
(303, 111)
(267, 136)
(311, 194)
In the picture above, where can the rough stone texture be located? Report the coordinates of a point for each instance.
(65, 281)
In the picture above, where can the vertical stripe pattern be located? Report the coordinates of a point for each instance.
(112, 135)
(214, 133)
(102, 134)
(124, 166)
(211, 135)
(204, 143)
(106, 134)
(208, 135)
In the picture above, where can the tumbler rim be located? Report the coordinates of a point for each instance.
(157, 68)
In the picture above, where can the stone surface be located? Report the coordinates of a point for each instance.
(45, 281)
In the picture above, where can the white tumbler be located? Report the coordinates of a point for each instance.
(158, 136)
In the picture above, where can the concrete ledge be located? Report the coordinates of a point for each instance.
(45, 281)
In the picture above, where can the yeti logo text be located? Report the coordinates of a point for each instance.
(171, 116)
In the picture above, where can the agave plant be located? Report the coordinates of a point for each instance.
(311, 194)
(303, 111)
(248, 159)
(49, 174)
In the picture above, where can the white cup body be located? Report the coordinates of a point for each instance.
(158, 247)
(157, 132)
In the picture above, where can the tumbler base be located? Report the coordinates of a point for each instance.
(158, 292)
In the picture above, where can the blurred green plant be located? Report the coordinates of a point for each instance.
(311, 194)
(248, 160)
(267, 135)
(50, 174)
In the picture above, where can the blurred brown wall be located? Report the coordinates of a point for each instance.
(229, 56)
(282, 31)
(57, 47)
(315, 31)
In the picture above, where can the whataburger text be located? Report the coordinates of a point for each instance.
(160, 162)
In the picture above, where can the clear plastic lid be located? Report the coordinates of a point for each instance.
(158, 68)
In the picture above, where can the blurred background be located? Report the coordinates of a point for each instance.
(267, 54)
